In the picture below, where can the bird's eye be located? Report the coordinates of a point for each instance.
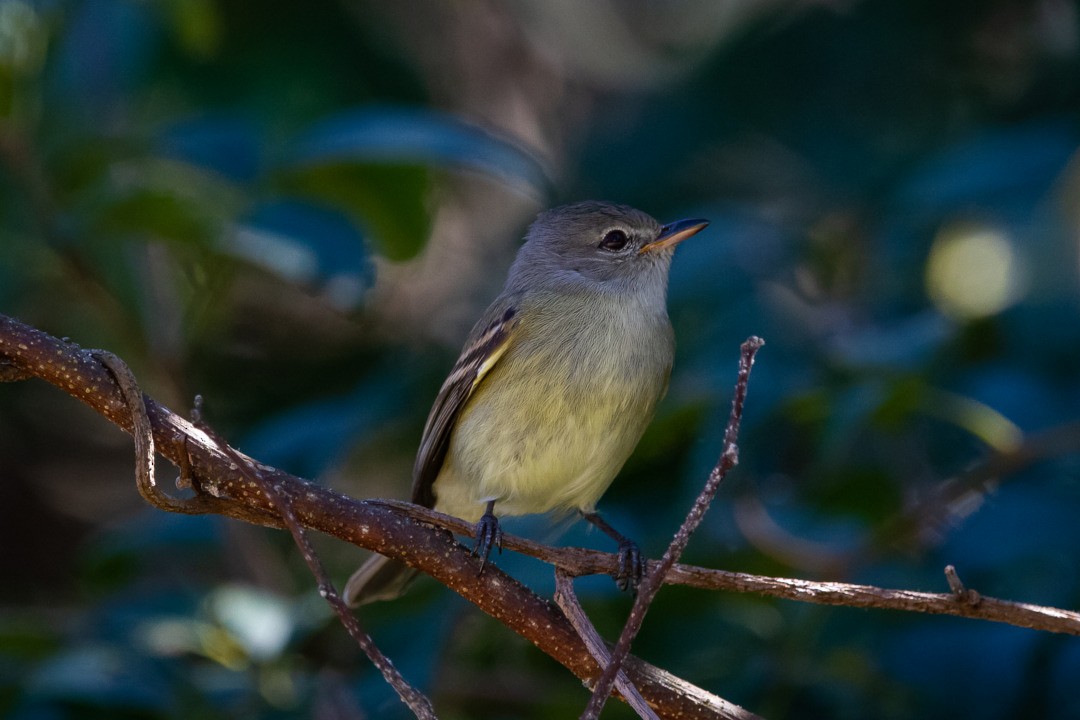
(614, 240)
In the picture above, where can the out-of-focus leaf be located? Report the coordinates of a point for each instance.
(261, 622)
(307, 244)
(14, 258)
(158, 199)
(154, 213)
(868, 493)
(79, 166)
(999, 169)
(993, 428)
(23, 45)
(388, 200)
(419, 137)
(903, 396)
(227, 144)
(197, 25)
(376, 164)
(25, 638)
(104, 51)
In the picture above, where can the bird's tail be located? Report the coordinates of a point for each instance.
(380, 578)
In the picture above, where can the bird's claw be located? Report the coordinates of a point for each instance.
(631, 566)
(488, 535)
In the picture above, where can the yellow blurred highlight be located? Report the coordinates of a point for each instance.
(972, 271)
(277, 686)
(981, 420)
(198, 25)
(219, 645)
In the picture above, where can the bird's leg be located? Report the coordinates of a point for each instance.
(488, 535)
(631, 561)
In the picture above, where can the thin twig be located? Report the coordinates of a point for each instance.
(142, 432)
(576, 562)
(278, 496)
(962, 593)
(729, 457)
(567, 600)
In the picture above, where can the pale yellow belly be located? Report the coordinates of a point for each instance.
(550, 432)
(533, 467)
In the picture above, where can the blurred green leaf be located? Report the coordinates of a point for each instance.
(198, 25)
(390, 201)
(419, 137)
(161, 200)
(306, 244)
(377, 163)
(24, 638)
(153, 213)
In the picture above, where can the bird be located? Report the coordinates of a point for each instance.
(554, 386)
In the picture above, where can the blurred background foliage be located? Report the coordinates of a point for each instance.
(297, 210)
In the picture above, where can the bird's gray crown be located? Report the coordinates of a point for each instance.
(595, 244)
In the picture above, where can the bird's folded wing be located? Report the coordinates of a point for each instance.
(489, 340)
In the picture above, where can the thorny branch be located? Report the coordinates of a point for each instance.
(223, 487)
(418, 536)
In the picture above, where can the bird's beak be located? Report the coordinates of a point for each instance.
(674, 233)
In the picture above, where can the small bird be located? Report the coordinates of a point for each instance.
(555, 385)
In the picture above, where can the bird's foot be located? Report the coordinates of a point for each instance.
(632, 566)
(488, 535)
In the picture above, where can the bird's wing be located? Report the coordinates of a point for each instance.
(488, 341)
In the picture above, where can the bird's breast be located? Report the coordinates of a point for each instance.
(553, 422)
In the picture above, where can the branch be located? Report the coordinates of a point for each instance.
(583, 561)
(144, 479)
(567, 600)
(413, 698)
(408, 532)
(1026, 615)
(226, 489)
(729, 458)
